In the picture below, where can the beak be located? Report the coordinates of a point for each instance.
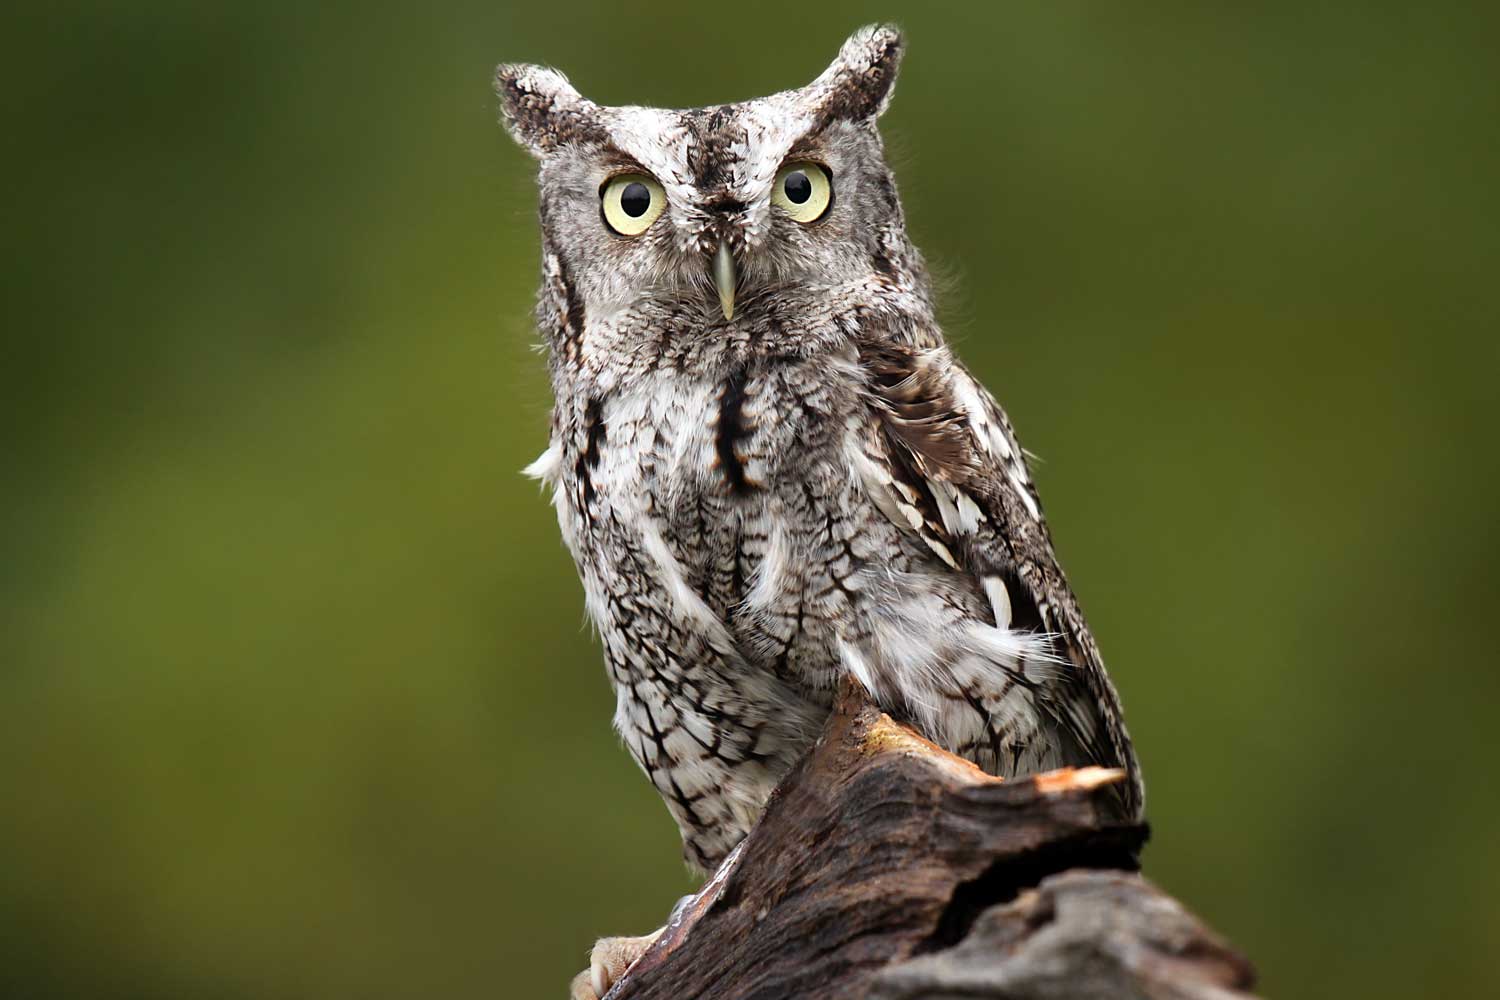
(724, 280)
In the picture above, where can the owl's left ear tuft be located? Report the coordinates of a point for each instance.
(540, 108)
(859, 83)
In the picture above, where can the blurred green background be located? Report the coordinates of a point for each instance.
(296, 695)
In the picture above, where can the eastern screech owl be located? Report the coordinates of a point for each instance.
(769, 467)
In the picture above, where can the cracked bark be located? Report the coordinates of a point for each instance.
(887, 868)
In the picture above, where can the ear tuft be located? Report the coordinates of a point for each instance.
(859, 83)
(540, 108)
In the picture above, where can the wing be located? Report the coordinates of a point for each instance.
(958, 479)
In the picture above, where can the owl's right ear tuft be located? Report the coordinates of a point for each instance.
(858, 85)
(540, 108)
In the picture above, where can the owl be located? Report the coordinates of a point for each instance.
(769, 467)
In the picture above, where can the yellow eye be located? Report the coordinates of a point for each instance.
(803, 190)
(632, 202)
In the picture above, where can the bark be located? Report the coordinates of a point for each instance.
(887, 868)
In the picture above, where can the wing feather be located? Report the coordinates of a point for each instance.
(958, 478)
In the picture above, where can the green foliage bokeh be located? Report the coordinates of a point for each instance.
(296, 696)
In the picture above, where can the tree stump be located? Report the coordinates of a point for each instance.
(886, 868)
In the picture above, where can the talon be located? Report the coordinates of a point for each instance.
(610, 959)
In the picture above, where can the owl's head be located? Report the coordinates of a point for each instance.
(723, 209)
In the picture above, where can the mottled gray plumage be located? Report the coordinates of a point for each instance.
(813, 488)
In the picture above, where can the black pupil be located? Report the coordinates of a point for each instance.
(798, 187)
(635, 199)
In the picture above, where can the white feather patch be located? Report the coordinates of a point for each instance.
(855, 662)
(689, 604)
(999, 596)
(770, 574)
(545, 468)
(1024, 489)
(1030, 649)
(895, 499)
(943, 552)
(969, 514)
(990, 437)
(943, 493)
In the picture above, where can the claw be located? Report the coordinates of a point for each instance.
(610, 959)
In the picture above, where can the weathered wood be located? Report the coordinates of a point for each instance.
(1084, 935)
(885, 867)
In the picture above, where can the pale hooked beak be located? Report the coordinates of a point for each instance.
(723, 271)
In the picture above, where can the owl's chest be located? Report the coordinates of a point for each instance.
(706, 486)
(683, 456)
(651, 451)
